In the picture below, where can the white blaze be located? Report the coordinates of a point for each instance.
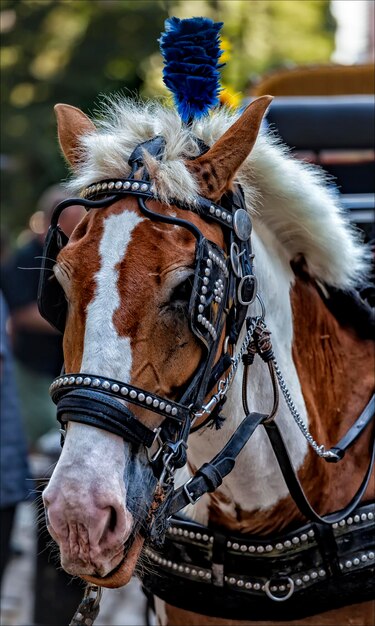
(104, 352)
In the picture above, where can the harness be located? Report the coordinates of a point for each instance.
(224, 287)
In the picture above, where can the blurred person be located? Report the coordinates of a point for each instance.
(13, 451)
(37, 347)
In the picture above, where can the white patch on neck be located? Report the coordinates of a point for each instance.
(256, 481)
(104, 352)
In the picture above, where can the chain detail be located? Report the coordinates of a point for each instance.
(319, 449)
(224, 383)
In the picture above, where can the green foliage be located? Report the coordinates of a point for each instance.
(73, 50)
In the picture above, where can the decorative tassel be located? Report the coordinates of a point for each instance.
(191, 51)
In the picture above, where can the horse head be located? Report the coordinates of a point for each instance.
(135, 308)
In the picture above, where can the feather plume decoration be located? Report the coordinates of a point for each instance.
(191, 51)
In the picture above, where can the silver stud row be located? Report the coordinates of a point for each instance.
(357, 560)
(116, 185)
(203, 574)
(140, 396)
(189, 534)
(355, 519)
(260, 549)
(220, 213)
(218, 261)
(207, 324)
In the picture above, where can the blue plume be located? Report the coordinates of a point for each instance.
(191, 51)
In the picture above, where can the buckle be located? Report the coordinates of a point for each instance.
(188, 494)
(152, 457)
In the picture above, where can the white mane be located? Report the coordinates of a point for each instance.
(290, 198)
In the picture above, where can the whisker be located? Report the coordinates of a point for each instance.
(48, 269)
(46, 258)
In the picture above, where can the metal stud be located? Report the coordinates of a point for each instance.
(174, 411)
(162, 406)
(133, 394)
(135, 186)
(314, 575)
(256, 586)
(370, 515)
(269, 548)
(118, 185)
(310, 533)
(124, 391)
(212, 209)
(207, 271)
(205, 281)
(79, 380)
(141, 397)
(251, 548)
(363, 517)
(115, 388)
(298, 582)
(217, 212)
(126, 185)
(356, 518)
(224, 215)
(348, 563)
(235, 546)
(71, 380)
(243, 548)
(248, 586)
(111, 185)
(200, 308)
(335, 525)
(287, 544)
(349, 521)
(364, 558)
(204, 289)
(105, 384)
(322, 573)
(65, 380)
(168, 408)
(305, 578)
(279, 546)
(342, 523)
(260, 549)
(95, 382)
(144, 187)
(356, 561)
(295, 540)
(240, 583)
(370, 555)
(87, 381)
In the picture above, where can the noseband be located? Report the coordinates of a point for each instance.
(223, 288)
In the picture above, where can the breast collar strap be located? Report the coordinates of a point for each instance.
(291, 576)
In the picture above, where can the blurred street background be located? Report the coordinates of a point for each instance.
(78, 52)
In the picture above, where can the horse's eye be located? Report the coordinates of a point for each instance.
(182, 292)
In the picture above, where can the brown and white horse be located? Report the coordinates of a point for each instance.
(125, 279)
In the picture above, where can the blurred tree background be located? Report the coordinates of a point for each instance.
(74, 50)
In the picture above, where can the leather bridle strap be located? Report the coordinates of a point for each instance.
(294, 485)
(355, 431)
(210, 476)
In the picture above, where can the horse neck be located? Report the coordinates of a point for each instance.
(322, 364)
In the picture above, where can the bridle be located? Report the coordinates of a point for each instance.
(224, 286)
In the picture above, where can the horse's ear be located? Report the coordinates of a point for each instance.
(216, 168)
(72, 123)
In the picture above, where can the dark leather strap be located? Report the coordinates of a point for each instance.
(294, 485)
(100, 410)
(355, 431)
(210, 475)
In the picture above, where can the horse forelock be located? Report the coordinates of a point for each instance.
(291, 198)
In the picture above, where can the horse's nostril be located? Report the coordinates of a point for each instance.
(112, 519)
